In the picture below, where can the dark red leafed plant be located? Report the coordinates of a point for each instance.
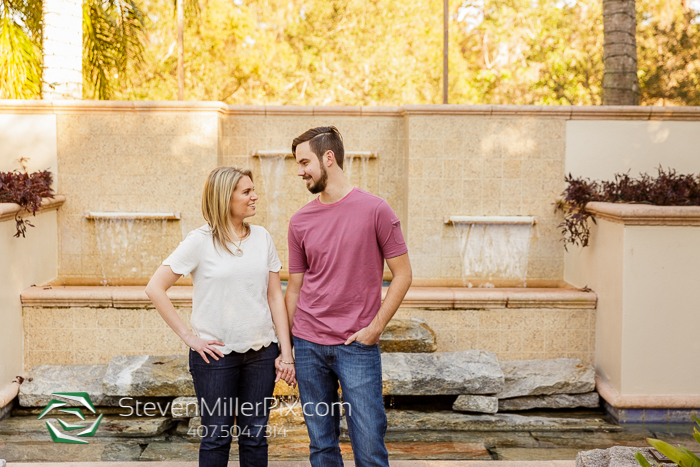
(666, 189)
(25, 189)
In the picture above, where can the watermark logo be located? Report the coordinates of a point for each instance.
(59, 436)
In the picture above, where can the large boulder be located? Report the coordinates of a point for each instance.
(555, 401)
(544, 377)
(616, 456)
(407, 335)
(465, 372)
(44, 380)
(147, 375)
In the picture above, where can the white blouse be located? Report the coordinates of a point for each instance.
(229, 302)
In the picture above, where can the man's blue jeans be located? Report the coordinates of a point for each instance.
(243, 377)
(358, 368)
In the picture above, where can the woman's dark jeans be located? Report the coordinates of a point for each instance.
(234, 394)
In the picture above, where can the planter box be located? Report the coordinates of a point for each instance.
(644, 263)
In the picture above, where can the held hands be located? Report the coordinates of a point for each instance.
(367, 336)
(285, 371)
(203, 347)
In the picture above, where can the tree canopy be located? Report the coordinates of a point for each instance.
(389, 52)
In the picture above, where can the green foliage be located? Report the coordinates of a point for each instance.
(679, 455)
(20, 54)
(358, 52)
(112, 38)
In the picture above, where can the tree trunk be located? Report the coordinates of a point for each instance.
(620, 82)
(62, 76)
(180, 50)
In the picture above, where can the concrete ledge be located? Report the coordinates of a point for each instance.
(645, 214)
(8, 210)
(417, 297)
(99, 297)
(670, 401)
(563, 112)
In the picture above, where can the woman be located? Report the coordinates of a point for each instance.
(234, 355)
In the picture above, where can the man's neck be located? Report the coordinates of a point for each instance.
(334, 192)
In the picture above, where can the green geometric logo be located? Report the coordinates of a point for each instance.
(59, 436)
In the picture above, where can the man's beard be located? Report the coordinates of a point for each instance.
(320, 185)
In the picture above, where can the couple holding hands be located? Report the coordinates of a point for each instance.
(244, 328)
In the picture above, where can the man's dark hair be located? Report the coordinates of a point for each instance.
(322, 139)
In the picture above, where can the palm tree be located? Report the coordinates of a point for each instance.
(112, 35)
(620, 81)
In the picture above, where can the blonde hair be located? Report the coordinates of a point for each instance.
(216, 202)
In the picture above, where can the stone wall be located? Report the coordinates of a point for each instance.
(91, 335)
(432, 161)
(127, 161)
(89, 325)
(520, 334)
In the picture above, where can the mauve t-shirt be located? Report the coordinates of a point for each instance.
(341, 248)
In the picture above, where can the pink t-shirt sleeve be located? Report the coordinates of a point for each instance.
(297, 256)
(389, 235)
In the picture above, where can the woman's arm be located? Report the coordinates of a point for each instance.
(279, 318)
(162, 280)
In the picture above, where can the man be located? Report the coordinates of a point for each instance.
(337, 246)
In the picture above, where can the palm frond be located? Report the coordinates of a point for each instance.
(20, 60)
(113, 33)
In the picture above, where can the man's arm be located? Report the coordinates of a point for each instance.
(291, 296)
(400, 267)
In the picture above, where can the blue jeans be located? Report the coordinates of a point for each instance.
(358, 369)
(238, 378)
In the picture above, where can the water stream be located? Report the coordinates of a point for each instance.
(128, 248)
(494, 251)
(273, 174)
(361, 180)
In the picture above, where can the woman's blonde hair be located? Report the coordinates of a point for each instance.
(216, 202)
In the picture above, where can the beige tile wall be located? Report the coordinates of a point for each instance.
(427, 167)
(127, 161)
(86, 336)
(383, 176)
(95, 335)
(483, 166)
(513, 334)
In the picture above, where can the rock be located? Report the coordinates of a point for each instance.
(283, 389)
(407, 335)
(616, 456)
(482, 404)
(185, 407)
(518, 455)
(555, 401)
(43, 380)
(134, 427)
(148, 375)
(441, 373)
(543, 377)
(121, 452)
(409, 420)
(420, 450)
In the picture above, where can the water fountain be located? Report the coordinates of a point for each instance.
(494, 247)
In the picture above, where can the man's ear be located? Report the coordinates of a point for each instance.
(329, 158)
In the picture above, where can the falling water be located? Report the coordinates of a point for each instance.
(273, 182)
(129, 248)
(360, 180)
(494, 251)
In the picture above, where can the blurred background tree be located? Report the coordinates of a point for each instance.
(389, 52)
